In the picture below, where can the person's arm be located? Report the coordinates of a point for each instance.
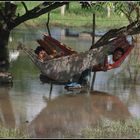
(99, 67)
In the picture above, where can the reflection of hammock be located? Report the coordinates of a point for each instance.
(71, 64)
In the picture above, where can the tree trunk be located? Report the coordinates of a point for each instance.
(4, 54)
(4, 37)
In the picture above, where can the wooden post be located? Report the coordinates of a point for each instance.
(63, 10)
(93, 41)
(47, 24)
(93, 29)
(108, 11)
(50, 91)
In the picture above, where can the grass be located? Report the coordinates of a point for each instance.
(12, 133)
(117, 129)
(73, 20)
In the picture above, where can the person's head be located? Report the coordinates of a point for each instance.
(54, 51)
(118, 52)
(41, 53)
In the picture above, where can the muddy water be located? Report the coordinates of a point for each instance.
(68, 115)
(57, 113)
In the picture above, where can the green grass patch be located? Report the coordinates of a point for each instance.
(73, 20)
(111, 129)
(12, 133)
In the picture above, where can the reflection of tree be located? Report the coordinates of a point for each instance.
(133, 100)
(133, 65)
(22, 70)
(67, 115)
(127, 90)
(120, 82)
(6, 110)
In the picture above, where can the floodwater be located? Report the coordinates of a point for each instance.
(50, 111)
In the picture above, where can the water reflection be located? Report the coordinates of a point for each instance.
(7, 117)
(133, 100)
(67, 115)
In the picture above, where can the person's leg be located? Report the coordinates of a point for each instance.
(83, 80)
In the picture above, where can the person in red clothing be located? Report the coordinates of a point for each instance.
(116, 55)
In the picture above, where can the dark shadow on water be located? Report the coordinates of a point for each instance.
(6, 85)
(44, 79)
(5, 76)
(67, 115)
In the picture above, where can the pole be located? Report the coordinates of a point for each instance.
(47, 24)
(93, 41)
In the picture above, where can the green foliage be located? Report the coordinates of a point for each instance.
(125, 6)
(118, 6)
(75, 8)
(98, 8)
(110, 4)
(128, 8)
(1, 5)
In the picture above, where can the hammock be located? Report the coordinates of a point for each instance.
(50, 43)
(120, 42)
(66, 67)
(70, 64)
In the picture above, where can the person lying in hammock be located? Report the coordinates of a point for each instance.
(109, 62)
(111, 59)
(56, 54)
(42, 54)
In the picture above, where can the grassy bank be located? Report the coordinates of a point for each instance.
(12, 133)
(75, 17)
(73, 20)
(118, 129)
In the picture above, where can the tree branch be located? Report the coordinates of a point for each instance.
(131, 29)
(137, 12)
(36, 12)
(86, 4)
(24, 5)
